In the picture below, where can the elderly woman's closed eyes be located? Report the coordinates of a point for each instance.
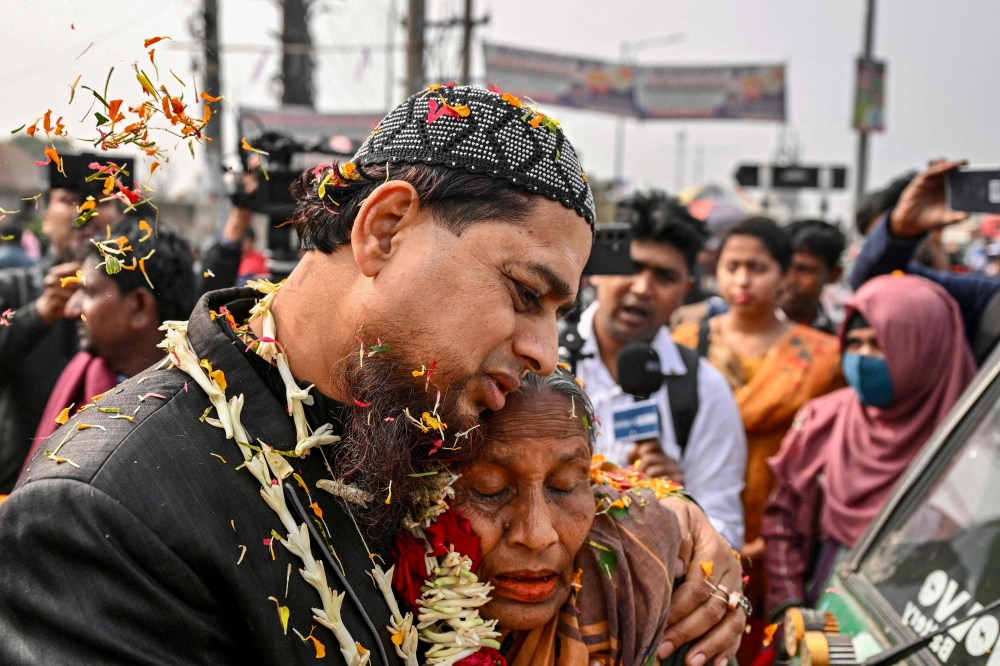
(581, 556)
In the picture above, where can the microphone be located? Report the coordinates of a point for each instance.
(639, 370)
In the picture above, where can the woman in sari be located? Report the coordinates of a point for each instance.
(907, 362)
(581, 555)
(774, 367)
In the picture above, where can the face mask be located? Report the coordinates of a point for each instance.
(869, 377)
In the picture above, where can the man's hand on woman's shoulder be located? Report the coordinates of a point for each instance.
(697, 611)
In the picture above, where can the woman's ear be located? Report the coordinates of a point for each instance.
(387, 211)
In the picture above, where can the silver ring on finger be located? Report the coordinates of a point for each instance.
(745, 604)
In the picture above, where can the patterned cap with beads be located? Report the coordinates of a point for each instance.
(483, 131)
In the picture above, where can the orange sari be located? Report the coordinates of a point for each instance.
(803, 365)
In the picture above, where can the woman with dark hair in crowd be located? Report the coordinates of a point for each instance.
(907, 362)
(774, 367)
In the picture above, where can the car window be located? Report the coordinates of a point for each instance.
(939, 560)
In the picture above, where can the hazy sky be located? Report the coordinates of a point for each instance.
(942, 73)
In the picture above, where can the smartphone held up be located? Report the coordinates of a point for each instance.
(973, 190)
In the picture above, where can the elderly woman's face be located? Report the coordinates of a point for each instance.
(529, 500)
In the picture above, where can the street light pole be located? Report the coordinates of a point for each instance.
(625, 56)
(862, 166)
(467, 25)
(415, 47)
(619, 173)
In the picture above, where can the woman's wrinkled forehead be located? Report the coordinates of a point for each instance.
(531, 416)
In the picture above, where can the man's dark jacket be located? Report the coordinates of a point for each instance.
(131, 557)
(32, 355)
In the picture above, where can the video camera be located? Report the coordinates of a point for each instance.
(283, 165)
(273, 196)
(609, 255)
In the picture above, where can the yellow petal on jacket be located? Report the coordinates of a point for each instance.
(283, 614)
(219, 377)
(64, 415)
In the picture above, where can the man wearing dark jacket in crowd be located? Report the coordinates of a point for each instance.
(898, 232)
(148, 549)
(118, 317)
(37, 343)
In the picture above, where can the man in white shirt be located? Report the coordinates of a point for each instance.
(712, 462)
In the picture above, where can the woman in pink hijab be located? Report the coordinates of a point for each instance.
(906, 360)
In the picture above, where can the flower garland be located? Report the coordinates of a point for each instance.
(451, 595)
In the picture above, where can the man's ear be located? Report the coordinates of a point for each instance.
(836, 274)
(145, 312)
(689, 285)
(387, 211)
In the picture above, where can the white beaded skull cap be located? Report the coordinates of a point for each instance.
(483, 132)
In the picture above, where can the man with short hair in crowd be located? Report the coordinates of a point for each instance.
(118, 317)
(457, 242)
(817, 246)
(708, 454)
(896, 236)
(36, 342)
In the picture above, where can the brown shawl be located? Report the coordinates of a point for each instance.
(622, 607)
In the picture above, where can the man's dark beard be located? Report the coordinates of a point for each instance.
(375, 451)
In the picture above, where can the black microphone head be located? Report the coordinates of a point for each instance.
(639, 370)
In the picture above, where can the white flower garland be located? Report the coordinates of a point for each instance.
(450, 612)
(449, 618)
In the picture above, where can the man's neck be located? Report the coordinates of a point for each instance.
(806, 316)
(141, 354)
(608, 345)
(315, 342)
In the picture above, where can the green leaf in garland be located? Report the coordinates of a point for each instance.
(585, 421)
(618, 513)
(607, 561)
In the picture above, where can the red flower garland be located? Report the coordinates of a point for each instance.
(484, 657)
(450, 529)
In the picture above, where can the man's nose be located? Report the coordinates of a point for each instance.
(532, 526)
(73, 308)
(641, 283)
(536, 344)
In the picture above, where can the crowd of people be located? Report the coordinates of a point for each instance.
(409, 367)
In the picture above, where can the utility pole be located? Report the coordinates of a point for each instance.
(628, 47)
(213, 132)
(296, 66)
(415, 23)
(619, 163)
(679, 160)
(390, 56)
(862, 166)
(467, 25)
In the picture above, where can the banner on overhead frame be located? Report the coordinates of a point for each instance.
(746, 92)
(743, 92)
(548, 78)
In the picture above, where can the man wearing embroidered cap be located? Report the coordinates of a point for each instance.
(323, 413)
